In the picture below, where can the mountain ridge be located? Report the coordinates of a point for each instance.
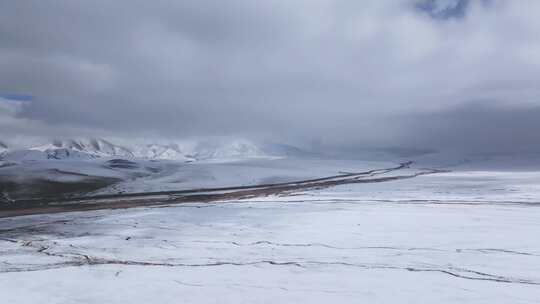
(94, 148)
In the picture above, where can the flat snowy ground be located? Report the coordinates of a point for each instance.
(464, 236)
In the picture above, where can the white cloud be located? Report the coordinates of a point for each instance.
(303, 69)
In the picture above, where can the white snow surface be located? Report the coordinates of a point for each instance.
(467, 236)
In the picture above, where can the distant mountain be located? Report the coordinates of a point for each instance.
(3, 148)
(83, 149)
(86, 149)
(204, 150)
(227, 150)
(158, 151)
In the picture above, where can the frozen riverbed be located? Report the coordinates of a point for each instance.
(464, 236)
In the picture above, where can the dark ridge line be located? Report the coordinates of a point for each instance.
(91, 261)
(331, 247)
(484, 250)
(458, 250)
(8, 240)
(85, 260)
(414, 202)
(34, 226)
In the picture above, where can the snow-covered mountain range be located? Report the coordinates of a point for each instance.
(83, 148)
(3, 148)
(93, 148)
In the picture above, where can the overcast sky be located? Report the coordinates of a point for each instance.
(430, 74)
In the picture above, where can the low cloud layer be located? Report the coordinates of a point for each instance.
(432, 74)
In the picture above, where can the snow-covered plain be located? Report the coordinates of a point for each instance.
(466, 236)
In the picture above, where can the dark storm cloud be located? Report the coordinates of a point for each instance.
(329, 71)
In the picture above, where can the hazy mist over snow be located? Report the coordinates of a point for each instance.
(447, 74)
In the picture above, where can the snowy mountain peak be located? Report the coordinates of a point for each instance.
(82, 148)
(92, 148)
(158, 151)
(3, 148)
